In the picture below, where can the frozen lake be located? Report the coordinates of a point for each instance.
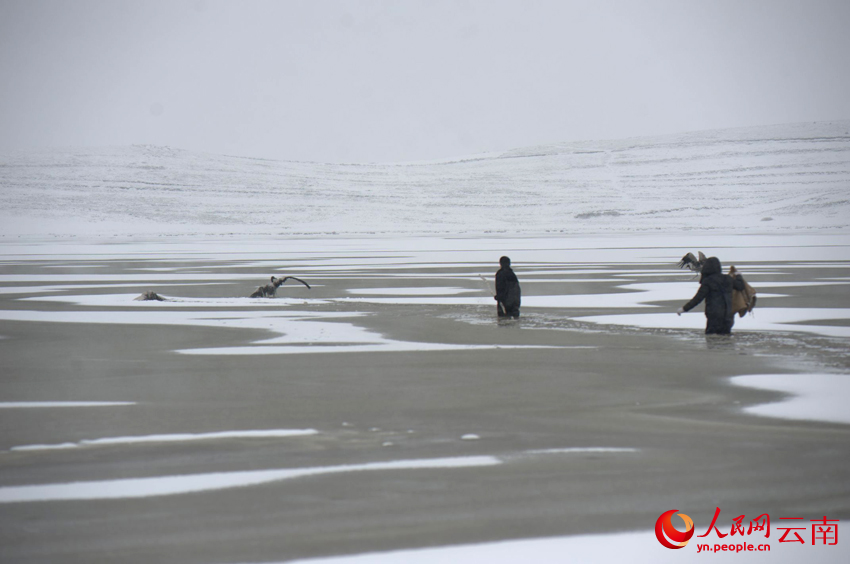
(385, 409)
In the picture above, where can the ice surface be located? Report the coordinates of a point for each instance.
(386, 346)
(174, 485)
(175, 437)
(765, 319)
(579, 450)
(412, 291)
(128, 300)
(66, 287)
(632, 296)
(147, 278)
(301, 332)
(768, 197)
(634, 547)
(557, 258)
(615, 300)
(48, 404)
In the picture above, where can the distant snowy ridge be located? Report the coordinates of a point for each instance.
(785, 178)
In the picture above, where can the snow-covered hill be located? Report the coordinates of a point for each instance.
(766, 179)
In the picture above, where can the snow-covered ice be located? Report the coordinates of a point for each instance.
(814, 397)
(174, 437)
(189, 483)
(51, 404)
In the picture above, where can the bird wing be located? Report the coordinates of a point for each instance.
(294, 278)
(688, 259)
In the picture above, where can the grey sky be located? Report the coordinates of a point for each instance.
(351, 81)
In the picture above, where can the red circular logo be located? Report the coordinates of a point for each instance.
(664, 530)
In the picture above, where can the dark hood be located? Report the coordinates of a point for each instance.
(711, 266)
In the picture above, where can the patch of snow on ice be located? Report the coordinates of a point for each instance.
(60, 288)
(128, 300)
(146, 278)
(816, 397)
(301, 332)
(174, 485)
(57, 446)
(47, 404)
(176, 437)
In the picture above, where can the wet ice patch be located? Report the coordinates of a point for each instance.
(633, 296)
(595, 301)
(540, 551)
(816, 397)
(764, 319)
(640, 547)
(175, 485)
(175, 437)
(387, 346)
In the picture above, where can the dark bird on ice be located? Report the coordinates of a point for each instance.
(268, 291)
(692, 263)
(149, 296)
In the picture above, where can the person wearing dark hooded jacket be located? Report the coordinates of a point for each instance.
(716, 289)
(508, 294)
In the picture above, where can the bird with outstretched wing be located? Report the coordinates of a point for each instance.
(692, 263)
(269, 290)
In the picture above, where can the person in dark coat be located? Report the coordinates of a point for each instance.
(508, 294)
(716, 289)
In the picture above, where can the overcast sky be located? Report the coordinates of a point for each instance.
(373, 81)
